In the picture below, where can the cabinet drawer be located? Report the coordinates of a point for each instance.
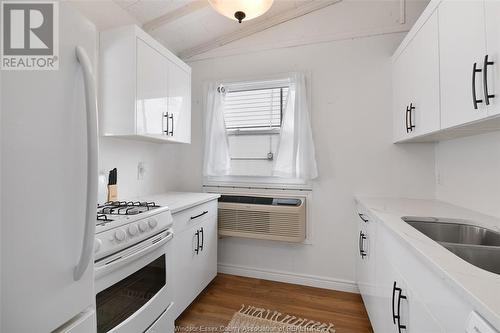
(195, 215)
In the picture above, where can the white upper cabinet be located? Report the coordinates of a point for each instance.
(145, 89)
(416, 84)
(445, 73)
(462, 49)
(152, 90)
(401, 96)
(179, 103)
(492, 13)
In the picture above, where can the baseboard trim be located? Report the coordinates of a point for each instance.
(280, 276)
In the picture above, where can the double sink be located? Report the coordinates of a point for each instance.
(476, 245)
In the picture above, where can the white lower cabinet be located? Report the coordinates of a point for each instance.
(195, 248)
(401, 293)
(400, 301)
(365, 265)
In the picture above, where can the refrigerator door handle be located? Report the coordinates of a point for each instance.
(92, 160)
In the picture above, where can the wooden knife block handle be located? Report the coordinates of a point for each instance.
(112, 193)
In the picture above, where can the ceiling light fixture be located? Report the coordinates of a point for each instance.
(240, 10)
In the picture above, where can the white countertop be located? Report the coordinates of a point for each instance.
(179, 201)
(478, 287)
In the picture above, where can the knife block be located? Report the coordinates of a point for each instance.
(112, 193)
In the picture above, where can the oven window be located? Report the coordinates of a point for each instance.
(121, 300)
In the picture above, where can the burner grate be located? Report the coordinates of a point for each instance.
(102, 219)
(126, 207)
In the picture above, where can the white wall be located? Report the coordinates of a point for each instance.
(352, 127)
(468, 172)
(159, 161)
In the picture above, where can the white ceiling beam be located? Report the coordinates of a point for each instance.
(174, 15)
(253, 27)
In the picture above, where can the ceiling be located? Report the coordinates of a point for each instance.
(167, 20)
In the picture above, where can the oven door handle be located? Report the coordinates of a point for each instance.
(100, 270)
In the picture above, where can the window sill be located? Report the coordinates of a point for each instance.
(257, 183)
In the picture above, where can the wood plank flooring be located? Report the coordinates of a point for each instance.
(216, 305)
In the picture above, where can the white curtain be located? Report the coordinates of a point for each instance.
(295, 157)
(217, 161)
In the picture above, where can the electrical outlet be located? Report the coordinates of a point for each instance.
(141, 170)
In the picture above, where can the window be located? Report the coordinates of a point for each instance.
(253, 116)
(255, 109)
(259, 131)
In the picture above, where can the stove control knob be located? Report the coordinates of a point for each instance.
(97, 245)
(143, 226)
(120, 235)
(153, 223)
(133, 230)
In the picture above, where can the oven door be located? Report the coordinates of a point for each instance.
(134, 286)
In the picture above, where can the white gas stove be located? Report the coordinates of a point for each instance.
(121, 224)
(133, 268)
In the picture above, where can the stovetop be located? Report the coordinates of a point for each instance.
(116, 210)
(120, 224)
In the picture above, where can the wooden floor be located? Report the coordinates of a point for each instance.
(216, 305)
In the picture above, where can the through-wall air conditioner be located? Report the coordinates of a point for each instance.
(280, 219)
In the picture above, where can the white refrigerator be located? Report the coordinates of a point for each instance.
(49, 188)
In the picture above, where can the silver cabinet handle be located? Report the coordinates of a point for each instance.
(92, 160)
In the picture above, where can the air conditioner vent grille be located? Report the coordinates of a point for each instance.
(282, 223)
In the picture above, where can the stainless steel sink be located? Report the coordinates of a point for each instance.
(476, 245)
(442, 230)
(485, 257)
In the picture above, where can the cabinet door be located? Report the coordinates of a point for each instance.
(417, 83)
(462, 44)
(423, 83)
(401, 95)
(492, 12)
(386, 275)
(395, 295)
(152, 82)
(419, 318)
(365, 262)
(207, 261)
(186, 276)
(403, 308)
(179, 103)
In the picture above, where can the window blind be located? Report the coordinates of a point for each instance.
(254, 109)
